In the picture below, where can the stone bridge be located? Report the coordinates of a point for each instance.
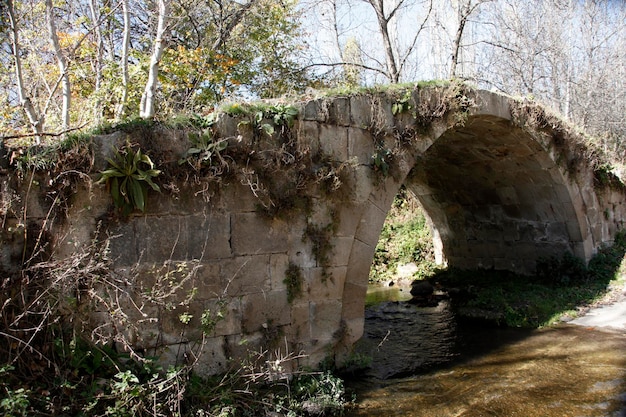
(268, 247)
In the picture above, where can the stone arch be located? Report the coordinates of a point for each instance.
(495, 193)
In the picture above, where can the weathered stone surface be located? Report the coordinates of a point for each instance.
(208, 236)
(270, 236)
(246, 275)
(326, 284)
(334, 142)
(264, 310)
(497, 191)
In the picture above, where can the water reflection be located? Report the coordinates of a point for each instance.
(452, 368)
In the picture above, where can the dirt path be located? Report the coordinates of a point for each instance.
(613, 316)
(610, 314)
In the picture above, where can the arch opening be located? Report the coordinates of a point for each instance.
(495, 198)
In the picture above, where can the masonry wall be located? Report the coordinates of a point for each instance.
(217, 269)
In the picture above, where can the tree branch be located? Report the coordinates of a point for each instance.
(48, 134)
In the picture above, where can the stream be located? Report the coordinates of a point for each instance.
(428, 362)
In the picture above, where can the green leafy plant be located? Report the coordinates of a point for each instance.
(381, 160)
(15, 403)
(211, 317)
(402, 105)
(204, 148)
(293, 280)
(280, 115)
(129, 175)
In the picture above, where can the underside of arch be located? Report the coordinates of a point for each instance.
(495, 198)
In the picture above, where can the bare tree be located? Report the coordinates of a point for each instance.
(36, 122)
(465, 8)
(386, 13)
(95, 18)
(147, 99)
(61, 63)
(121, 108)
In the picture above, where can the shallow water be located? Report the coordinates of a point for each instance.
(428, 363)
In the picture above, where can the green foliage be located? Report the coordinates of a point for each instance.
(320, 238)
(604, 176)
(15, 403)
(205, 149)
(561, 286)
(354, 364)
(128, 177)
(381, 160)
(293, 280)
(566, 270)
(319, 391)
(264, 118)
(282, 114)
(210, 318)
(405, 238)
(40, 158)
(402, 105)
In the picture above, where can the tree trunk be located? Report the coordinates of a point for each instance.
(456, 46)
(121, 109)
(147, 99)
(36, 122)
(61, 63)
(97, 107)
(383, 25)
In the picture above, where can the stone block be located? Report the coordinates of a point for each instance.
(353, 330)
(492, 104)
(339, 111)
(360, 182)
(361, 111)
(161, 238)
(211, 358)
(334, 141)
(354, 300)
(557, 232)
(241, 347)
(208, 236)
(385, 192)
(224, 316)
(326, 283)
(342, 248)
(325, 320)
(246, 275)
(237, 197)
(300, 328)
(370, 225)
(315, 110)
(208, 281)
(360, 262)
(361, 145)
(253, 234)
(123, 244)
(265, 310)
(301, 253)
(349, 216)
(507, 195)
(309, 136)
(278, 265)
(226, 126)
(174, 330)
